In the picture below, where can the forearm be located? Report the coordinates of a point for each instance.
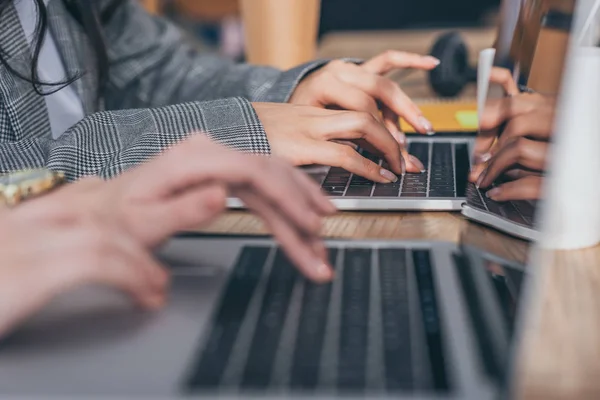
(108, 143)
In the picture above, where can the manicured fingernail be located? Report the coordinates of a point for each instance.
(485, 157)
(434, 60)
(399, 137)
(415, 161)
(492, 194)
(388, 175)
(426, 125)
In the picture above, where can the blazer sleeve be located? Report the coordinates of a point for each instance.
(107, 143)
(154, 64)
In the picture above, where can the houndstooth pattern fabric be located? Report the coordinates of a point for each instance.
(160, 90)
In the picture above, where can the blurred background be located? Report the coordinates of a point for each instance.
(218, 24)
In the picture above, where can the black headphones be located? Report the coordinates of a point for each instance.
(454, 71)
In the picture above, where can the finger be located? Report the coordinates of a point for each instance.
(392, 59)
(483, 144)
(348, 143)
(527, 188)
(302, 250)
(131, 269)
(388, 93)
(476, 172)
(497, 111)
(412, 163)
(166, 174)
(362, 126)
(316, 197)
(504, 77)
(185, 210)
(535, 126)
(524, 152)
(348, 97)
(344, 157)
(518, 173)
(222, 165)
(392, 123)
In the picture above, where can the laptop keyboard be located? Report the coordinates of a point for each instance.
(367, 331)
(520, 212)
(447, 166)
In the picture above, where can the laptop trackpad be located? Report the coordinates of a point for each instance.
(95, 341)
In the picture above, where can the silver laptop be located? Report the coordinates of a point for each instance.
(517, 218)
(402, 320)
(441, 187)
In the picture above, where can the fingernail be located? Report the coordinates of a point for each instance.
(399, 137)
(324, 271)
(480, 179)
(485, 157)
(388, 175)
(415, 161)
(434, 60)
(155, 302)
(426, 125)
(492, 194)
(403, 165)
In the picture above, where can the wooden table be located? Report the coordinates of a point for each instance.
(561, 347)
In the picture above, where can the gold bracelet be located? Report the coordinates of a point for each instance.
(22, 185)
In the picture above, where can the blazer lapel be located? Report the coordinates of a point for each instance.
(78, 58)
(26, 109)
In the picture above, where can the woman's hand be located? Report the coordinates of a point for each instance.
(289, 202)
(519, 153)
(305, 135)
(51, 245)
(364, 88)
(104, 232)
(500, 111)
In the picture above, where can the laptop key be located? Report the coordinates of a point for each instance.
(359, 191)
(265, 341)
(396, 329)
(420, 150)
(354, 324)
(431, 319)
(512, 213)
(228, 318)
(462, 168)
(311, 332)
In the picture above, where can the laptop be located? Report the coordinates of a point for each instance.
(516, 218)
(402, 320)
(551, 27)
(446, 156)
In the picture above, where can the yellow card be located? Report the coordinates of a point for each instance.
(468, 119)
(448, 117)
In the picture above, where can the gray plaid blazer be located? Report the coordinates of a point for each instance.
(160, 90)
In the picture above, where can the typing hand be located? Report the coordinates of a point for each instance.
(96, 232)
(364, 88)
(53, 244)
(519, 154)
(289, 202)
(305, 135)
